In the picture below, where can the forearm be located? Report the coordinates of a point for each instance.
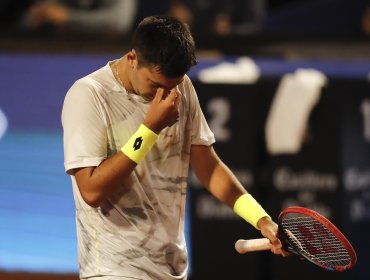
(215, 175)
(96, 183)
(224, 185)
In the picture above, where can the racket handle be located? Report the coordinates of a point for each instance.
(252, 245)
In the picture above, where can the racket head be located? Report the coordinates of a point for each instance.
(311, 235)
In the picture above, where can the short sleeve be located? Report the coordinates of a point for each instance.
(84, 129)
(201, 134)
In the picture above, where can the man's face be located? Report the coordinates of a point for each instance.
(146, 80)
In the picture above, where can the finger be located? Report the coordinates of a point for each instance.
(272, 236)
(285, 253)
(173, 95)
(158, 95)
(282, 253)
(278, 251)
(276, 242)
(276, 246)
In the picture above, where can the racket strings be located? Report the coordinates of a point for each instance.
(315, 241)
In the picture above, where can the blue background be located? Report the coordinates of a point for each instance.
(37, 226)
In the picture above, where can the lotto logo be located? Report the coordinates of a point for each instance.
(137, 143)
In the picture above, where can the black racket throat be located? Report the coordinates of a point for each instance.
(287, 245)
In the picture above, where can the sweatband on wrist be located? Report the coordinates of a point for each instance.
(139, 144)
(249, 209)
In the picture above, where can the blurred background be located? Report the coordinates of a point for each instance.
(284, 84)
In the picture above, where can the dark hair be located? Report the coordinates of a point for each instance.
(165, 43)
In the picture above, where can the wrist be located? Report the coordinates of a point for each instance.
(250, 210)
(263, 222)
(151, 126)
(140, 143)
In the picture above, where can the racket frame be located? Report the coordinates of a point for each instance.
(327, 224)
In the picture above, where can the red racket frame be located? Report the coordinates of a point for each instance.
(332, 228)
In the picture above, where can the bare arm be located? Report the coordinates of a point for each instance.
(95, 183)
(222, 184)
(215, 175)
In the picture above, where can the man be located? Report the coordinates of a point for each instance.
(131, 130)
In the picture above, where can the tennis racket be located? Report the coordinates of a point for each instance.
(308, 234)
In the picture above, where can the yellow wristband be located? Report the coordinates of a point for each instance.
(249, 209)
(139, 144)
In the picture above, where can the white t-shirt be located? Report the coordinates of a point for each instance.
(138, 231)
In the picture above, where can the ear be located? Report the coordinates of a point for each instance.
(132, 58)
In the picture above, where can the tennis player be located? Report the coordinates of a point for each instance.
(131, 131)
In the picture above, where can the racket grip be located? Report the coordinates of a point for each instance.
(252, 245)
